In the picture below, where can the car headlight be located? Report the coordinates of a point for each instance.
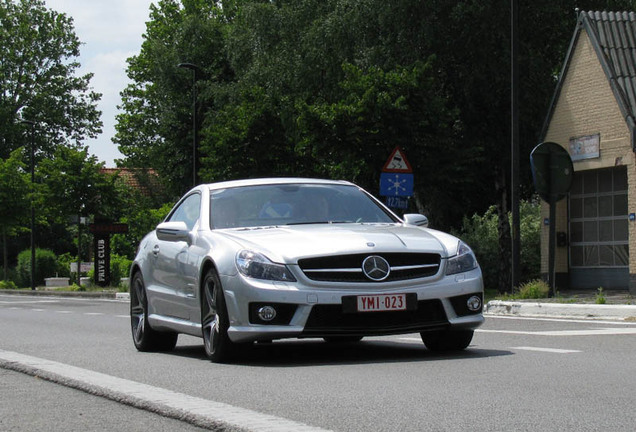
(462, 262)
(257, 266)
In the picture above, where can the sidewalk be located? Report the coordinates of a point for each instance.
(619, 306)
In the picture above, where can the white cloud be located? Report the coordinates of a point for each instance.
(111, 31)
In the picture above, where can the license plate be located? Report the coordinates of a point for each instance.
(381, 302)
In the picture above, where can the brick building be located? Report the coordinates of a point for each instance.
(593, 116)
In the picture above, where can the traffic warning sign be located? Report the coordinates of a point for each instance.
(397, 163)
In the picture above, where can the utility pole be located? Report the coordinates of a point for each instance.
(514, 168)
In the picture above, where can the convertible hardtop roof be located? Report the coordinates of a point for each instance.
(275, 181)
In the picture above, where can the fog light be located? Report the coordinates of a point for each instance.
(267, 313)
(474, 303)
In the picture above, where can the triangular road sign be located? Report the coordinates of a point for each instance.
(397, 162)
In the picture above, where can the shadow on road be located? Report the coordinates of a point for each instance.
(299, 353)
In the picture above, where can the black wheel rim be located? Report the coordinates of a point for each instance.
(138, 310)
(210, 322)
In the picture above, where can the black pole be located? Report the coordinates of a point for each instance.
(32, 227)
(514, 183)
(551, 243)
(79, 249)
(32, 207)
(195, 139)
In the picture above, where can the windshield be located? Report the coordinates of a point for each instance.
(293, 204)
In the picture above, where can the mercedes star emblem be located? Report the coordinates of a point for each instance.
(376, 268)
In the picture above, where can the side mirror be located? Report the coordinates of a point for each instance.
(416, 219)
(173, 232)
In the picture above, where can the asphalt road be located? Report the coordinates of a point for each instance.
(519, 374)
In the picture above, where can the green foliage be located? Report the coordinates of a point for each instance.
(7, 285)
(14, 201)
(74, 178)
(600, 296)
(328, 88)
(64, 264)
(14, 190)
(75, 287)
(534, 289)
(38, 51)
(119, 268)
(45, 266)
(155, 128)
(141, 220)
(481, 233)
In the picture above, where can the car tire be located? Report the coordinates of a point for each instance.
(448, 340)
(145, 338)
(215, 321)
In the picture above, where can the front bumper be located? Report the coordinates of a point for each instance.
(317, 311)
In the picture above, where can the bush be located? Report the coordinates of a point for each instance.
(480, 232)
(119, 268)
(7, 285)
(534, 289)
(45, 266)
(64, 264)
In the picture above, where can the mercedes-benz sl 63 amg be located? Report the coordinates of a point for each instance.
(259, 260)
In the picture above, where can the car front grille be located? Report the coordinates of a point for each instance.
(348, 268)
(332, 320)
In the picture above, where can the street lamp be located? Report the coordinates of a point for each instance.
(196, 70)
(32, 151)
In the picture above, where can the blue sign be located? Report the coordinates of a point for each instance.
(397, 202)
(396, 184)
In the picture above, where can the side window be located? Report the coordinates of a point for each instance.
(187, 211)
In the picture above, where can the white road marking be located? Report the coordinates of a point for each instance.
(29, 302)
(548, 350)
(196, 410)
(590, 332)
(63, 312)
(566, 320)
(93, 313)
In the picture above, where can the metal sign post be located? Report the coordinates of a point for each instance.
(396, 180)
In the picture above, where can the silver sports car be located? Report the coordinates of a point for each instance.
(257, 260)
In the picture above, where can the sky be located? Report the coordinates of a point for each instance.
(111, 31)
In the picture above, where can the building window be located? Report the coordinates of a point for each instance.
(598, 219)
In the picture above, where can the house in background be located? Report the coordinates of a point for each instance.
(593, 116)
(146, 181)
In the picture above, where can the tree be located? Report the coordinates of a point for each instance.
(155, 128)
(329, 87)
(38, 79)
(472, 39)
(80, 189)
(74, 178)
(15, 191)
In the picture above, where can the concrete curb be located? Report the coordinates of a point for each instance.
(561, 310)
(70, 294)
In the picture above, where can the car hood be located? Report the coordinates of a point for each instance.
(286, 244)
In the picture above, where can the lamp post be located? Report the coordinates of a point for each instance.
(195, 140)
(32, 168)
(514, 169)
